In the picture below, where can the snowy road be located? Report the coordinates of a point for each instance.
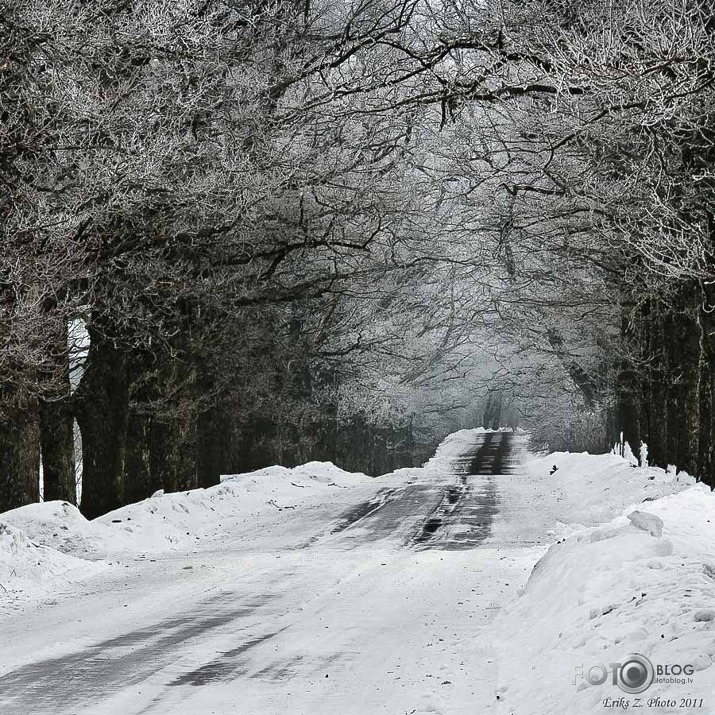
(318, 592)
(354, 596)
(369, 602)
(455, 513)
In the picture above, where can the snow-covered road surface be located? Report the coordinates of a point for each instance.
(354, 596)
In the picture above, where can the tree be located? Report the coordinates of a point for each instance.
(187, 193)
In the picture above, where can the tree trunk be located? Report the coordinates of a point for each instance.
(213, 444)
(629, 389)
(57, 441)
(658, 378)
(706, 390)
(20, 460)
(57, 420)
(139, 482)
(496, 419)
(102, 412)
(488, 412)
(690, 361)
(173, 455)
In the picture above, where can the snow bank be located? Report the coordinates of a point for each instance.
(311, 473)
(184, 519)
(596, 487)
(40, 542)
(179, 520)
(610, 591)
(60, 525)
(30, 569)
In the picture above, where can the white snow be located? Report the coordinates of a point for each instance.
(30, 570)
(647, 522)
(258, 597)
(610, 591)
(181, 520)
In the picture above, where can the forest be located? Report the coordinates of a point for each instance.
(238, 233)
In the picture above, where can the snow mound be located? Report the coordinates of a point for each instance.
(58, 524)
(610, 591)
(45, 544)
(177, 520)
(596, 486)
(648, 522)
(27, 568)
(186, 519)
(311, 472)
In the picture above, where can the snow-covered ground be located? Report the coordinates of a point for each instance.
(607, 591)
(309, 591)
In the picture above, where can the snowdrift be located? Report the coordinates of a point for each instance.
(595, 487)
(311, 473)
(59, 525)
(177, 520)
(644, 584)
(39, 542)
(30, 569)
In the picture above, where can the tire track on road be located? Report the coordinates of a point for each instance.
(463, 518)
